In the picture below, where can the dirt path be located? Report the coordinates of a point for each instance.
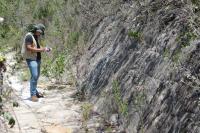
(58, 109)
(57, 112)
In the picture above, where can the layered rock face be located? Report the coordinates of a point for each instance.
(143, 63)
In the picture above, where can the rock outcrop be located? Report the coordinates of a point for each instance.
(143, 63)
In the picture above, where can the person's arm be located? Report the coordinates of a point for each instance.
(34, 49)
(30, 46)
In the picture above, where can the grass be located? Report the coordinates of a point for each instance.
(9, 118)
(59, 65)
(122, 105)
(6, 115)
(176, 55)
(166, 53)
(135, 34)
(54, 68)
(183, 40)
(86, 112)
(109, 129)
(195, 2)
(139, 100)
(73, 38)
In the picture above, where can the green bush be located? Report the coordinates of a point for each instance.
(44, 10)
(185, 38)
(59, 65)
(55, 67)
(122, 105)
(176, 55)
(86, 113)
(73, 38)
(195, 2)
(9, 117)
(139, 100)
(135, 34)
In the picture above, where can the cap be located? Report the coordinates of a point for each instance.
(38, 30)
(41, 27)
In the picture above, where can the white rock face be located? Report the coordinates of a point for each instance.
(1, 19)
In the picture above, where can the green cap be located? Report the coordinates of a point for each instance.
(41, 27)
(36, 27)
(31, 28)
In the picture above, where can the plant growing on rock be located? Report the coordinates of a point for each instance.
(139, 101)
(135, 34)
(122, 105)
(86, 112)
(186, 36)
(9, 117)
(195, 2)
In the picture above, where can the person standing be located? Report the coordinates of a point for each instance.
(31, 52)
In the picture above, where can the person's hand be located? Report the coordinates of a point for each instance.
(47, 49)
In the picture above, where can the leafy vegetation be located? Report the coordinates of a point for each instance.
(62, 30)
(56, 66)
(86, 112)
(73, 38)
(6, 115)
(166, 53)
(9, 117)
(123, 105)
(44, 10)
(139, 100)
(135, 34)
(196, 2)
(176, 55)
(59, 65)
(184, 39)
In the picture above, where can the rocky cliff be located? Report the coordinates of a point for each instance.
(143, 63)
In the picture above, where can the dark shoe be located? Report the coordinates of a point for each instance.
(40, 95)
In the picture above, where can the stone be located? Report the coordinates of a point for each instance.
(114, 119)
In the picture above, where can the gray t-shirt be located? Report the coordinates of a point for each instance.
(29, 40)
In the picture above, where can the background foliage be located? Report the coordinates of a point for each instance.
(63, 32)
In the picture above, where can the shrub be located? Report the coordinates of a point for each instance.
(123, 105)
(135, 34)
(73, 38)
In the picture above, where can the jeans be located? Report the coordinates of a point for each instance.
(34, 67)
